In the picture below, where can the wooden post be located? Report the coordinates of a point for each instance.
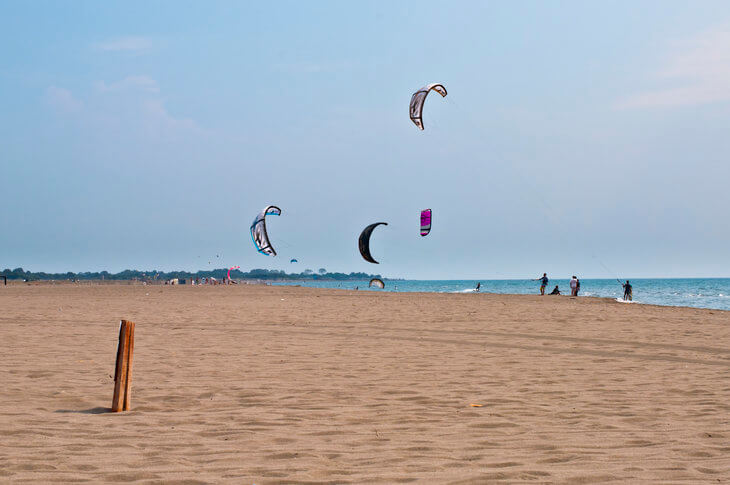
(128, 382)
(123, 370)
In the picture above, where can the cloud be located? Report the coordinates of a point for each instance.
(63, 100)
(130, 43)
(697, 71)
(158, 120)
(141, 83)
(132, 105)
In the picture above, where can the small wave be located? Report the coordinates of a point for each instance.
(621, 300)
(469, 290)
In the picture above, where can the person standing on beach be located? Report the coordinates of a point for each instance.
(543, 283)
(573, 286)
(577, 286)
(628, 291)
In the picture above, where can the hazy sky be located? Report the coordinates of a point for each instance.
(588, 138)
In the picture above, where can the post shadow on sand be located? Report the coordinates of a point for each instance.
(96, 410)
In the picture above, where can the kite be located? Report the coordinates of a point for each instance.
(364, 241)
(232, 268)
(377, 282)
(425, 222)
(293, 261)
(419, 98)
(258, 231)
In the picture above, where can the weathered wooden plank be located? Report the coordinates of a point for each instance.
(128, 380)
(120, 373)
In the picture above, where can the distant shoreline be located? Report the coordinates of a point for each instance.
(293, 284)
(155, 275)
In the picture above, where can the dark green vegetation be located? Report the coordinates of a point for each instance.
(130, 274)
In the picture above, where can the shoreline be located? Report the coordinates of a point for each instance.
(296, 284)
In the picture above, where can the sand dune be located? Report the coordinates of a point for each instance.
(256, 384)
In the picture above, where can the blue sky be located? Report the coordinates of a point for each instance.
(577, 137)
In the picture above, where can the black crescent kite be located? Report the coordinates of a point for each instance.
(364, 242)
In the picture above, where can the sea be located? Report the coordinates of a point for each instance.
(711, 293)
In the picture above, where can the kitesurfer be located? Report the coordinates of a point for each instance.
(628, 291)
(479, 286)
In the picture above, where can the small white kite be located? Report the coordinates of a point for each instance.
(419, 98)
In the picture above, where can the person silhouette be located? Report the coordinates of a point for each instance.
(628, 291)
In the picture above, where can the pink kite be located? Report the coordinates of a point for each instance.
(229, 270)
(425, 222)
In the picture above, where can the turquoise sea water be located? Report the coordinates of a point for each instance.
(691, 292)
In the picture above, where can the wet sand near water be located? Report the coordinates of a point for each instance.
(258, 384)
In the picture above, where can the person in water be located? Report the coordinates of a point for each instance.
(555, 291)
(628, 291)
(479, 286)
(543, 283)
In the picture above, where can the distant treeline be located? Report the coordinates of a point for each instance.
(131, 274)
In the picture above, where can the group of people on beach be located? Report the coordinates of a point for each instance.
(575, 287)
(544, 280)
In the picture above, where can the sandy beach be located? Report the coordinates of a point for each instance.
(260, 384)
